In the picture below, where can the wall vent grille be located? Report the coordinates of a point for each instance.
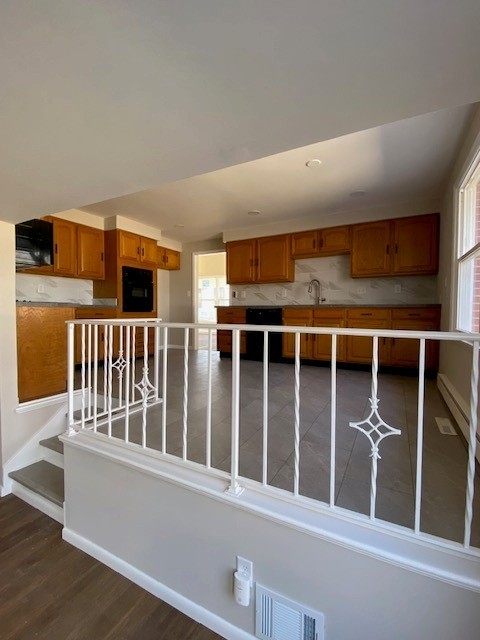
(445, 427)
(278, 618)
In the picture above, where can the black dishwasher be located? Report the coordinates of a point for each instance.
(265, 316)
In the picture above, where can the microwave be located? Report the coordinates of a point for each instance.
(137, 286)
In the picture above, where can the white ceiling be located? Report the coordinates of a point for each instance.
(405, 161)
(102, 99)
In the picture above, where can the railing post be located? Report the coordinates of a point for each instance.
(208, 452)
(420, 411)
(472, 445)
(333, 419)
(234, 487)
(164, 389)
(71, 372)
(265, 409)
(296, 477)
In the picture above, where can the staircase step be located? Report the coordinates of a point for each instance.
(53, 443)
(43, 478)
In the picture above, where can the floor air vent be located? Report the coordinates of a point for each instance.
(278, 618)
(445, 427)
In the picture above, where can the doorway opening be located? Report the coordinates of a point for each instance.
(211, 290)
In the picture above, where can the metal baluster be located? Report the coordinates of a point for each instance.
(296, 481)
(208, 453)
(83, 378)
(120, 366)
(145, 389)
(105, 365)
(265, 409)
(127, 384)
(375, 455)
(164, 390)
(333, 419)
(89, 371)
(95, 377)
(420, 410)
(234, 487)
(185, 394)
(156, 362)
(472, 444)
(71, 373)
(110, 366)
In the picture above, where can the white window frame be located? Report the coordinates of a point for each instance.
(465, 227)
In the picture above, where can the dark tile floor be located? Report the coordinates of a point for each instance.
(444, 459)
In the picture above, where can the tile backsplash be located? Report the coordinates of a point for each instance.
(33, 288)
(338, 287)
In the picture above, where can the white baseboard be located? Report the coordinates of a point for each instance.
(38, 502)
(173, 598)
(457, 406)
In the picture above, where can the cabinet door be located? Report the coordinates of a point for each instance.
(42, 351)
(322, 344)
(371, 249)
(416, 245)
(275, 263)
(172, 259)
(65, 247)
(241, 261)
(305, 244)
(405, 351)
(148, 250)
(90, 253)
(360, 348)
(335, 240)
(129, 246)
(297, 318)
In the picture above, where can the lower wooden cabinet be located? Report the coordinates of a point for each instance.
(42, 351)
(92, 314)
(230, 315)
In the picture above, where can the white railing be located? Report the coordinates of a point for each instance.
(121, 369)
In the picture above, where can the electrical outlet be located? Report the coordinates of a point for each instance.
(245, 567)
(397, 288)
(41, 288)
(361, 290)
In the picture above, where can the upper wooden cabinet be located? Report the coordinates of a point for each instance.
(78, 250)
(415, 245)
(64, 247)
(90, 253)
(168, 259)
(260, 260)
(321, 242)
(404, 246)
(136, 248)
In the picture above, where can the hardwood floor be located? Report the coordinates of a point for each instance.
(49, 589)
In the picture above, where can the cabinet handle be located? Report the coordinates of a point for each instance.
(384, 341)
(166, 259)
(143, 251)
(256, 262)
(56, 248)
(414, 314)
(388, 249)
(396, 248)
(393, 342)
(314, 244)
(138, 251)
(101, 256)
(366, 314)
(321, 243)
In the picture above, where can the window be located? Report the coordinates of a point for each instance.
(468, 255)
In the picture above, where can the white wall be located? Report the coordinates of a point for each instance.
(455, 359)
(188, 542)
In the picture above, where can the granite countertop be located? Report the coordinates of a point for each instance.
(75, 305)
(327, 306)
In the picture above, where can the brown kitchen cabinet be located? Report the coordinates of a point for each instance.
(405, 351)
(321, 242)
(267, 259)
(360, 348)
(136, 248)
(404, 246)
(42, 351)
(83, 313)
(64, 247)
(168, 259)
(78, 250)
(230, 315)
(313, 347)
(90, 253)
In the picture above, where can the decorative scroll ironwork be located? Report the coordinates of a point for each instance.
(375, 428)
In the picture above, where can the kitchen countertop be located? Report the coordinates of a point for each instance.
(75, 305)
(326, 306)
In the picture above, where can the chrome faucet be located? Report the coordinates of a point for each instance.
(318, 298)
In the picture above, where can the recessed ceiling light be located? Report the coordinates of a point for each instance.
(313, 163)
(253, 213)
(358, 194)
(179, 226)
